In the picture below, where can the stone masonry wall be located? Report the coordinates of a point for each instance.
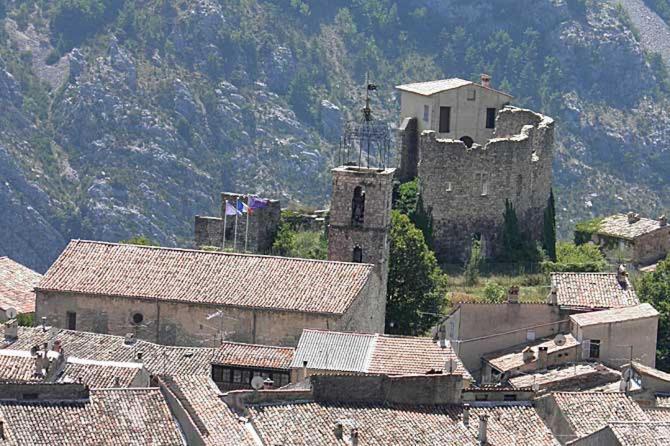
(409, 150)
(464, 190)
(177, 323)
(208, 231)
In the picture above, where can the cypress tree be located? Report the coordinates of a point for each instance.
(549, 228)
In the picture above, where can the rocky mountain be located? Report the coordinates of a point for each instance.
(125, 117)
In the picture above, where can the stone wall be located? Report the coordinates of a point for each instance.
(179, 323)
(411, 389)
(409, 149)
(43, 391)
(263, 225)
(464, 190)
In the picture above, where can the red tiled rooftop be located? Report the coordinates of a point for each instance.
(253, 355)
(16, 286)
(205, 277)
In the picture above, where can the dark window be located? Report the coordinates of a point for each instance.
(481, 397)
(230, 233)
(246, 376)
(445, 119)
(467, 141)
(71, 320)
(426, 113)
(509, 397)
(138, 318)
(237, 376)
(358, 207)
(358, 255)
(490, 118)
(594, 349)
(217, 373)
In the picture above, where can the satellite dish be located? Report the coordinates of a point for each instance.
(10, 313)
(627, 374)
(257, 382)
(559, 339)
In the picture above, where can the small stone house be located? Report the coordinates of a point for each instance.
(187, 297)
(619, 335)
(633, 239)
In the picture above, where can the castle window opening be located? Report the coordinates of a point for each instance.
(485, 185)
(472, 94)
(357, 256)
(229, 233)
(358, 207)
(468, 141)
(426, 113)
(477, 236)
(490, 118)
(445, 119)
(448, 188)
(138, 318)
(594, 349)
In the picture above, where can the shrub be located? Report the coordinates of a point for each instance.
(494, 292)
(584, 230)
(576, 258)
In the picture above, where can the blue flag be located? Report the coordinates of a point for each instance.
(241, 207)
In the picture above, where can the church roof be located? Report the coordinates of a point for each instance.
(205, 277)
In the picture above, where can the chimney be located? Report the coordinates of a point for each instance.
(268, 384)
(2, 430)
(466, 414)
(542, 357)
(11, 330)
(338, 430)
(486, 80)
(553, 296)
(129, 339)
(663, 220)
(442, 335)
(44, 323)
(633, 217)
(138, 357)
(622, 276)
(483, 425)
(513, 295)
(58, 346)
(528, 354)
(354, 436)
(117, 381)
(304, 370)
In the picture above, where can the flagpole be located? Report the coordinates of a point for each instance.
(225, 214)
(236, 212)
(246, 232)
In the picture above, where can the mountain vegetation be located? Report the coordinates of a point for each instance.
(129, 117)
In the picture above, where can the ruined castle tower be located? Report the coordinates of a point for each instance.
(471, 152)
(360, 219)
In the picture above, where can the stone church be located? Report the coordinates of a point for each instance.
(471, 151)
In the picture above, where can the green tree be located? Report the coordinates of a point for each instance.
(474, 263)
(302, 244)
(139, 240)
(416, 285)
(654, 288)
(577, 258)
(494, 293)
(284, 242)
(549, 228)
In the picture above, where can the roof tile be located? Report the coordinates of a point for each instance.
(592, 290)
(16, 286)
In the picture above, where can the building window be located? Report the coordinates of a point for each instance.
(71, 317)
(358, 207)
(445, 119)
(237, 376)
(426, 113)
(29, 396)
(490, 118)
(217, 373)
(594, 349)
(138, 318)
(448, 188)
(485, 188)
(357, 255)
(467, 141)
(481, 397)
(509, 398)
(472, 94)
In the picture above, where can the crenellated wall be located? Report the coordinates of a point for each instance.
(464, 189)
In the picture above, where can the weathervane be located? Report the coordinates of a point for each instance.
(367, 135)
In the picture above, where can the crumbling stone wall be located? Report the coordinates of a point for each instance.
(263, 225)
(464, 190)
(409, 149)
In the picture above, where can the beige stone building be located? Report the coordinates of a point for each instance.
(633, 239)
(187, 297)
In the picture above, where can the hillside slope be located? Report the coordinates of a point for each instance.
(132, 121)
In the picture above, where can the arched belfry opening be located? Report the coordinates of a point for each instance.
(357, 255)
(468, 141)
(358, 207)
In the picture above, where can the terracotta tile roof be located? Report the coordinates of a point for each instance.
(586, 412)
(206, 277)
(17, 366)
(663, 401)
(100, 374)
(111, 417)
(511, 358)
(658, 414)
(650, 371)
(214, 420)
(641, 434)
(253, 355)
(617, 226)
(157, 359)
(373, 353)
(16, 286)
(578, 373)
(614, 315)
(592, 290)
(311, 423)
(430, 88)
